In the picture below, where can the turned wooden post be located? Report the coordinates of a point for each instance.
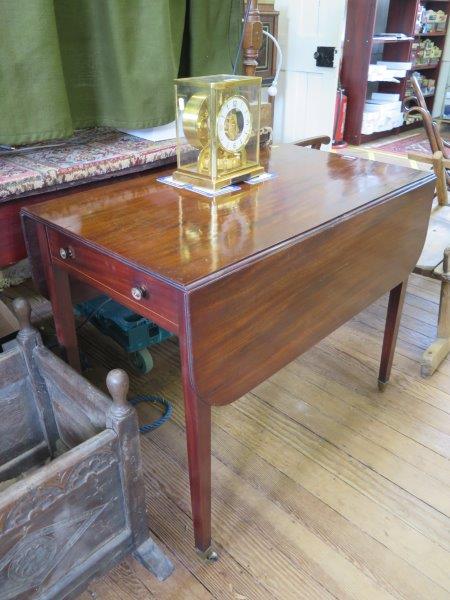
(253, 37)
(122, 418)
(440, 166)
(441, 180)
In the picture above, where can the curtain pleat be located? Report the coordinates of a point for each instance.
(68, 64)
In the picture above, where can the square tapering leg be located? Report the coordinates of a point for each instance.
(198, 433)
(61, 299)
(393, 316)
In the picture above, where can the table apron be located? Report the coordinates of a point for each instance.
(160, 302)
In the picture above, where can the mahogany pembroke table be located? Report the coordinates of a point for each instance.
(247, 283)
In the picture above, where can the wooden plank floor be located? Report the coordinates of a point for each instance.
(322, 486)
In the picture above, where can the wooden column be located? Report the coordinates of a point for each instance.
(253, 36)
(251, 45)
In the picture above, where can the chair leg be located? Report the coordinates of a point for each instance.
(394, 313)
(439, 349)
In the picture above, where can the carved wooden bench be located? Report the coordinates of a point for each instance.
(67, 518)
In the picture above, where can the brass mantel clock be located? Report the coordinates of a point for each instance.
(218, 116)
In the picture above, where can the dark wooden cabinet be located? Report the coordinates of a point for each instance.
(361, 49)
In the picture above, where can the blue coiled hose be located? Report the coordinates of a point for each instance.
(157, 400)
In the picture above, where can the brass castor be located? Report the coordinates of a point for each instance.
(382, 385)
(209, 555)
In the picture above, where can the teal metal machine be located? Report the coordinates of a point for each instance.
(131, 331)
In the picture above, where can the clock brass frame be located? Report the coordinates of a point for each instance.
(203, 161)
(195, 120)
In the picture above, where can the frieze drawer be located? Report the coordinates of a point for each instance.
(117, 279)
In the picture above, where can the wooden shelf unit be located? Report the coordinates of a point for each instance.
(385, 41)
(360, 45)
(425, 67)
(431, 34)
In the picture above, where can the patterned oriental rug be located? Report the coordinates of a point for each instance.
(89, 155)
(413, 143)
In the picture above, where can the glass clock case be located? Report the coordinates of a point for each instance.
(218, 122)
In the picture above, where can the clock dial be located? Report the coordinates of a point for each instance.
(234, 123)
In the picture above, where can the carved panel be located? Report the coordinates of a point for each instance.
(37, 555)
(55, 526)
(74, 426)
(12, 366)
(20, 428)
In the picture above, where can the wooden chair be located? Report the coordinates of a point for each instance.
(314, 142)
(434, 260)
(439, 147)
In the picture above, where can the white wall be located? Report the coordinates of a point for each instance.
(306, 96)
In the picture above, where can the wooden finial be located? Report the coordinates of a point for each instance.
(118, 383)
(22, 310)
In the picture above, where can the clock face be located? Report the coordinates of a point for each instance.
(234, 123)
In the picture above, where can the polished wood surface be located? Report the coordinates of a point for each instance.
(177, 235)
(264, 315)
(257, 279)
(323, 488)
(12, 243)
(88, 264)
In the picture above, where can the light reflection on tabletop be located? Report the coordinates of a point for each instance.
(185, 237)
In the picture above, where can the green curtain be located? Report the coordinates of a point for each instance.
(68, 64)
